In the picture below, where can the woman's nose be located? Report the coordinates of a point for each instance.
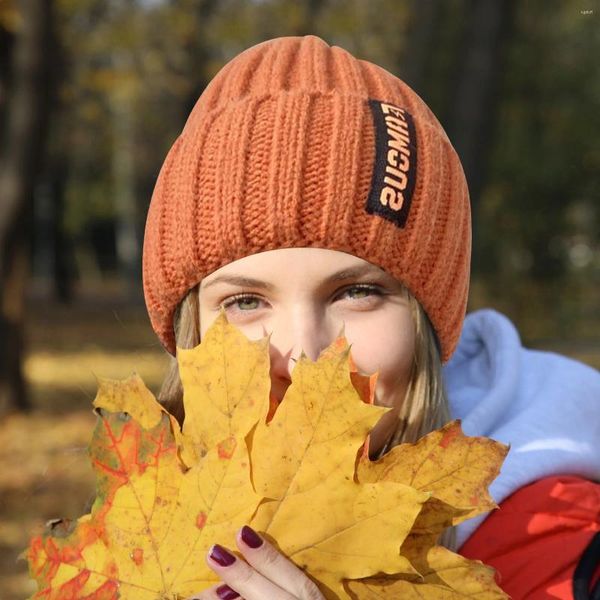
(304, 331)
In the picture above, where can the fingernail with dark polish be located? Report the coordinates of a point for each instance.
(221, 556)
(250, 537)
(226, 593)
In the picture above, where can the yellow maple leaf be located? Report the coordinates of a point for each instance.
(457, 471)
(319, 427)
(455, 468)
(165, 495)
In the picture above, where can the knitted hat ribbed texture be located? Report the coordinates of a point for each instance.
(298, 144)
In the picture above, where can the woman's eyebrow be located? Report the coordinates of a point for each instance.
(240, 281)
(355, 272)
(344, 274)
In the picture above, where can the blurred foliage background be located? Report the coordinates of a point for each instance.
(94, 92)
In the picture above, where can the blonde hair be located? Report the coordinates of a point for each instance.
(425, 405)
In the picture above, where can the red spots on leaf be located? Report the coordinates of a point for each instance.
(134, 448)
(137, 556)
(71, 590)
(111, 570)
(89, 532)
(107, 591)
(38, 557)
(118, 477)
(201, 520)
(70, 555)
(226, 448)
(449, 437)
(52, 561)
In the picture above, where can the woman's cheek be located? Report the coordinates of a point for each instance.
(253, 330)
(389, 351)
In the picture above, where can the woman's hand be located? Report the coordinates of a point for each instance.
(265, 574)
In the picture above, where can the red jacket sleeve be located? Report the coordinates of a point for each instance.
(536, 538)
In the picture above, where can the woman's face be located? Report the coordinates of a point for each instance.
(304, 298)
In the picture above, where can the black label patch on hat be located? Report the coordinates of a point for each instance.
(395, 170)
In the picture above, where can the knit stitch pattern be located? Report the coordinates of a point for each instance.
(279, 152)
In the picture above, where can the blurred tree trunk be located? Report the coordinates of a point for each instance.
(27, 107)
(128, 243)
(52, 250)
(62, 266)
(6, 45)
(473, 105)
(201, 51)
(421, 38)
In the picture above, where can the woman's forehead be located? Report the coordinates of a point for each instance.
(309, 262)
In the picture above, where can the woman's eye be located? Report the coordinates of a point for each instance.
(248, 302)
(242, 303)
(359, 292)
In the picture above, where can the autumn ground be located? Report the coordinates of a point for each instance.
(44, 471)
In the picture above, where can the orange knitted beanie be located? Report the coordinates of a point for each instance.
(298, 144)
